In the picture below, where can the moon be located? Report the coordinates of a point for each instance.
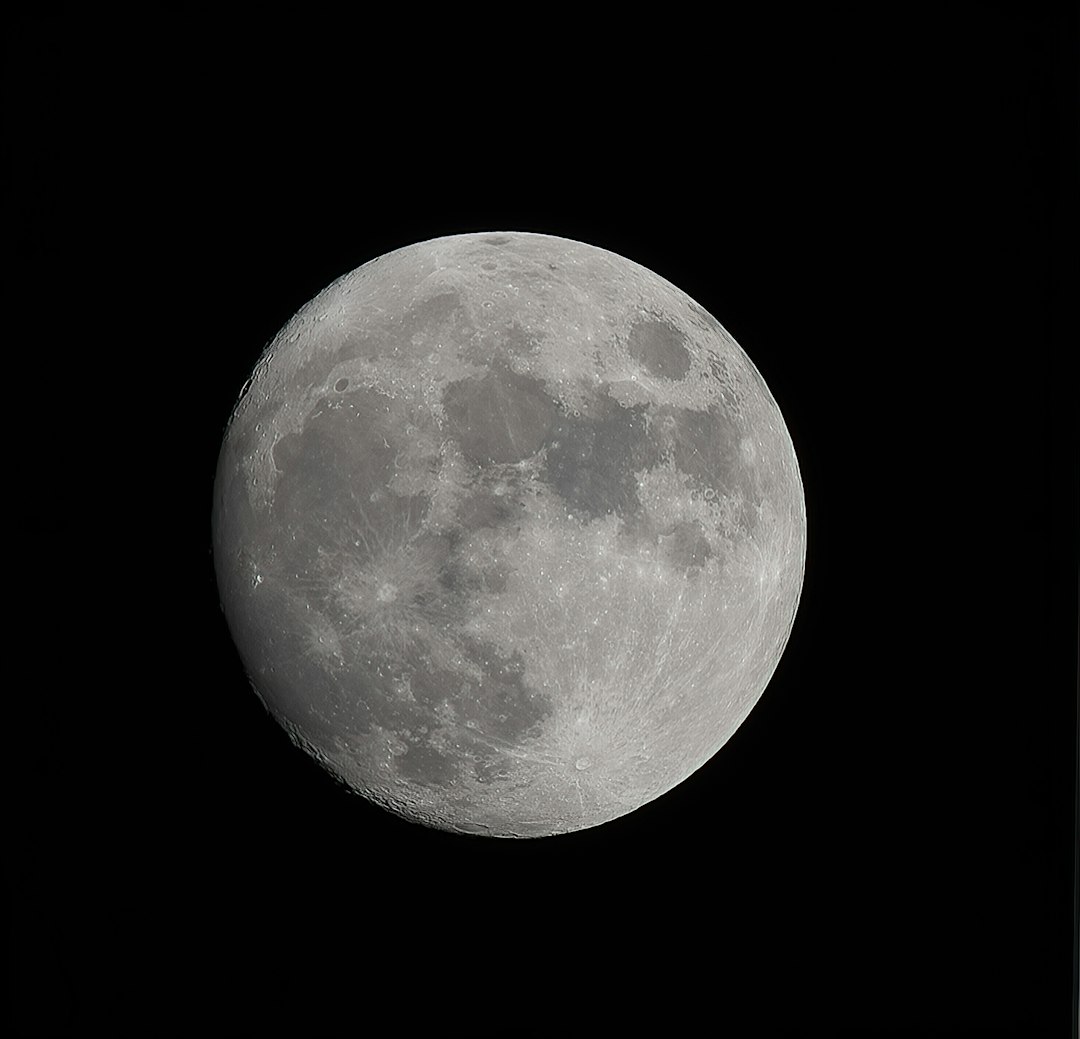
(509, 533)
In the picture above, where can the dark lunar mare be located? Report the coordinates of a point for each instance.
(592, 459)
(334, 505)
(333, 508)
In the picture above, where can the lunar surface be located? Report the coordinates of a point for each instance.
(509, 533)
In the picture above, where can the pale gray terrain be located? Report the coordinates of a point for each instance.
(509, 533)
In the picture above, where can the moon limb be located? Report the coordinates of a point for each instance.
(584, 499)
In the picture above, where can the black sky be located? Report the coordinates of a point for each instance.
(879, 205)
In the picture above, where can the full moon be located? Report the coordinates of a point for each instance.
(509, 533)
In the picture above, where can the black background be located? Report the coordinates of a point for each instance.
(880, 205)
